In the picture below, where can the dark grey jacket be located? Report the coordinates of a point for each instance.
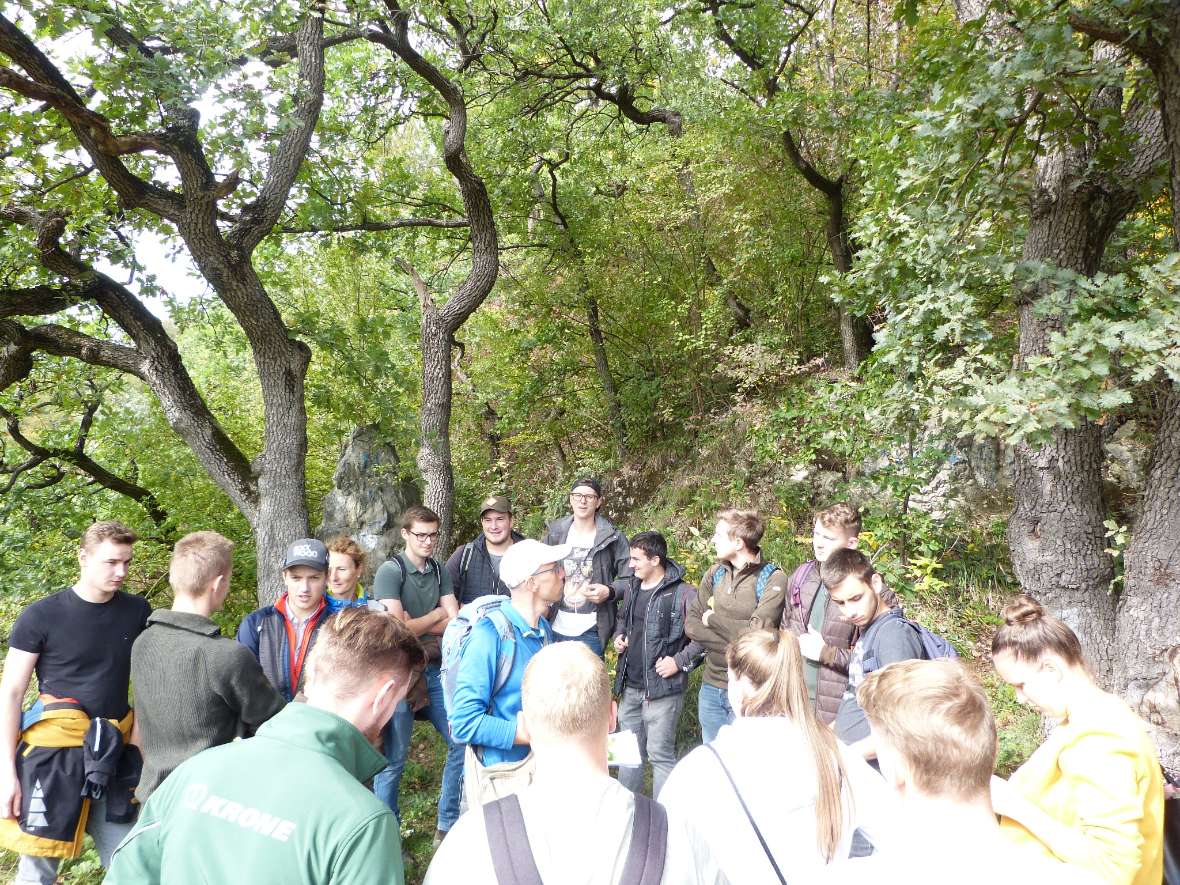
(194, 689)
(479, 578)
(661, 633)
(610, 557)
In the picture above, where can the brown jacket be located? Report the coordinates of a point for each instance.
(736, 611)
(839, 637)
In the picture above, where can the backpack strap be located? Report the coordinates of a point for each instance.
(401, 571)
(797, 578)
(649, 844)
(506, 651)
(749, 817)
(465, 561)
(795, 586)
(508, 842)
(763, 578)
(718, 576)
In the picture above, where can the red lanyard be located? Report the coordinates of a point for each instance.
(298, 654)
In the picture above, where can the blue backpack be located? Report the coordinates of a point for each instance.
(454, 641)
(934, 647)
(759, 588)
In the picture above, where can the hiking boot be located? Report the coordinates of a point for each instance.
(439, 835)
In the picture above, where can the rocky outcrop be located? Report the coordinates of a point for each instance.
(369, 493)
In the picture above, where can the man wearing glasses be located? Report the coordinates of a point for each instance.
(415, 588)
(599, 556)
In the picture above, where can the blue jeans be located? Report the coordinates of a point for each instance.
(654, 723)
(396, 737)
(713, 710)
(590, 638)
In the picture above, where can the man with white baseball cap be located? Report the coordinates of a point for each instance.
(485, 712)
(281, 635)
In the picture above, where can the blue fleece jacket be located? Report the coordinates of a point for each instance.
(489, 723)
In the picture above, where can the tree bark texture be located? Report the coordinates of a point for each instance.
(1147, 636)
(1056, 534)
(434, 423)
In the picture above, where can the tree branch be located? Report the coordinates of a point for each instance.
(374, 226)
(1101, 30)
(20, 342)
(155, 359)
(261, 214)
(44, 82)
(77, 457)
(819, 181)
(624, 99)
(42, 300)
(420, 286)
(485, 253)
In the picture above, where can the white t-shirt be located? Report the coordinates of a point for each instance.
(579, 829)
(926, 858)
(775, 772)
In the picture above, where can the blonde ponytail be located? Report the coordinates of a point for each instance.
(772, 663)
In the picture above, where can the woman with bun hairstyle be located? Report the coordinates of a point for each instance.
(775, 795)
(1091, 795)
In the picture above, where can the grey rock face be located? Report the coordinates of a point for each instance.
(368, 496)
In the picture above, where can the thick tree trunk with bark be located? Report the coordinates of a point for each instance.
(434, 422)
(1056, 533)
(1147, 636)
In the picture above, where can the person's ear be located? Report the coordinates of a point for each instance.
(385, 694)
(853, 542)
(614, 715)
(219, 587)
(1051, 666)
(877, 583)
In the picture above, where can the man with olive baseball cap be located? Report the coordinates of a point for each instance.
(475, 566)
(281, 635)
(484, 714)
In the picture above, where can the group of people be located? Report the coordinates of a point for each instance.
(836, 746)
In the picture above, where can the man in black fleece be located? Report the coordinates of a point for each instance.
(654, 655)
(194, 688)
(474, 567)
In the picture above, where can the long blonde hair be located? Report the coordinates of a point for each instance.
(770, 661)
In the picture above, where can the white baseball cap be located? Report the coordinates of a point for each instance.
(525, 558)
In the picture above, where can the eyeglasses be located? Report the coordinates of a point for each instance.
(556, 568)
(423, 537)
(582, 497)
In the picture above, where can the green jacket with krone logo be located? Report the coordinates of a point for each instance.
(286, 806)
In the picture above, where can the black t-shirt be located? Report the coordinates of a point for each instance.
(636, 665)
(84, 647)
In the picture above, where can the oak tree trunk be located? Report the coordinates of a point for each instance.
(1147, 636)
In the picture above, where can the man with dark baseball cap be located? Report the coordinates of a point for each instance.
(475, 566)
(281, 635)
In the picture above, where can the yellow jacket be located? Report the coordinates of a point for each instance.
(1099, 774)
(60, 727)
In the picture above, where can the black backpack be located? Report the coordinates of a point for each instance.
(512, 856)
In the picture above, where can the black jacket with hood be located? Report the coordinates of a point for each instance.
(609, 558)
(661, 633)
